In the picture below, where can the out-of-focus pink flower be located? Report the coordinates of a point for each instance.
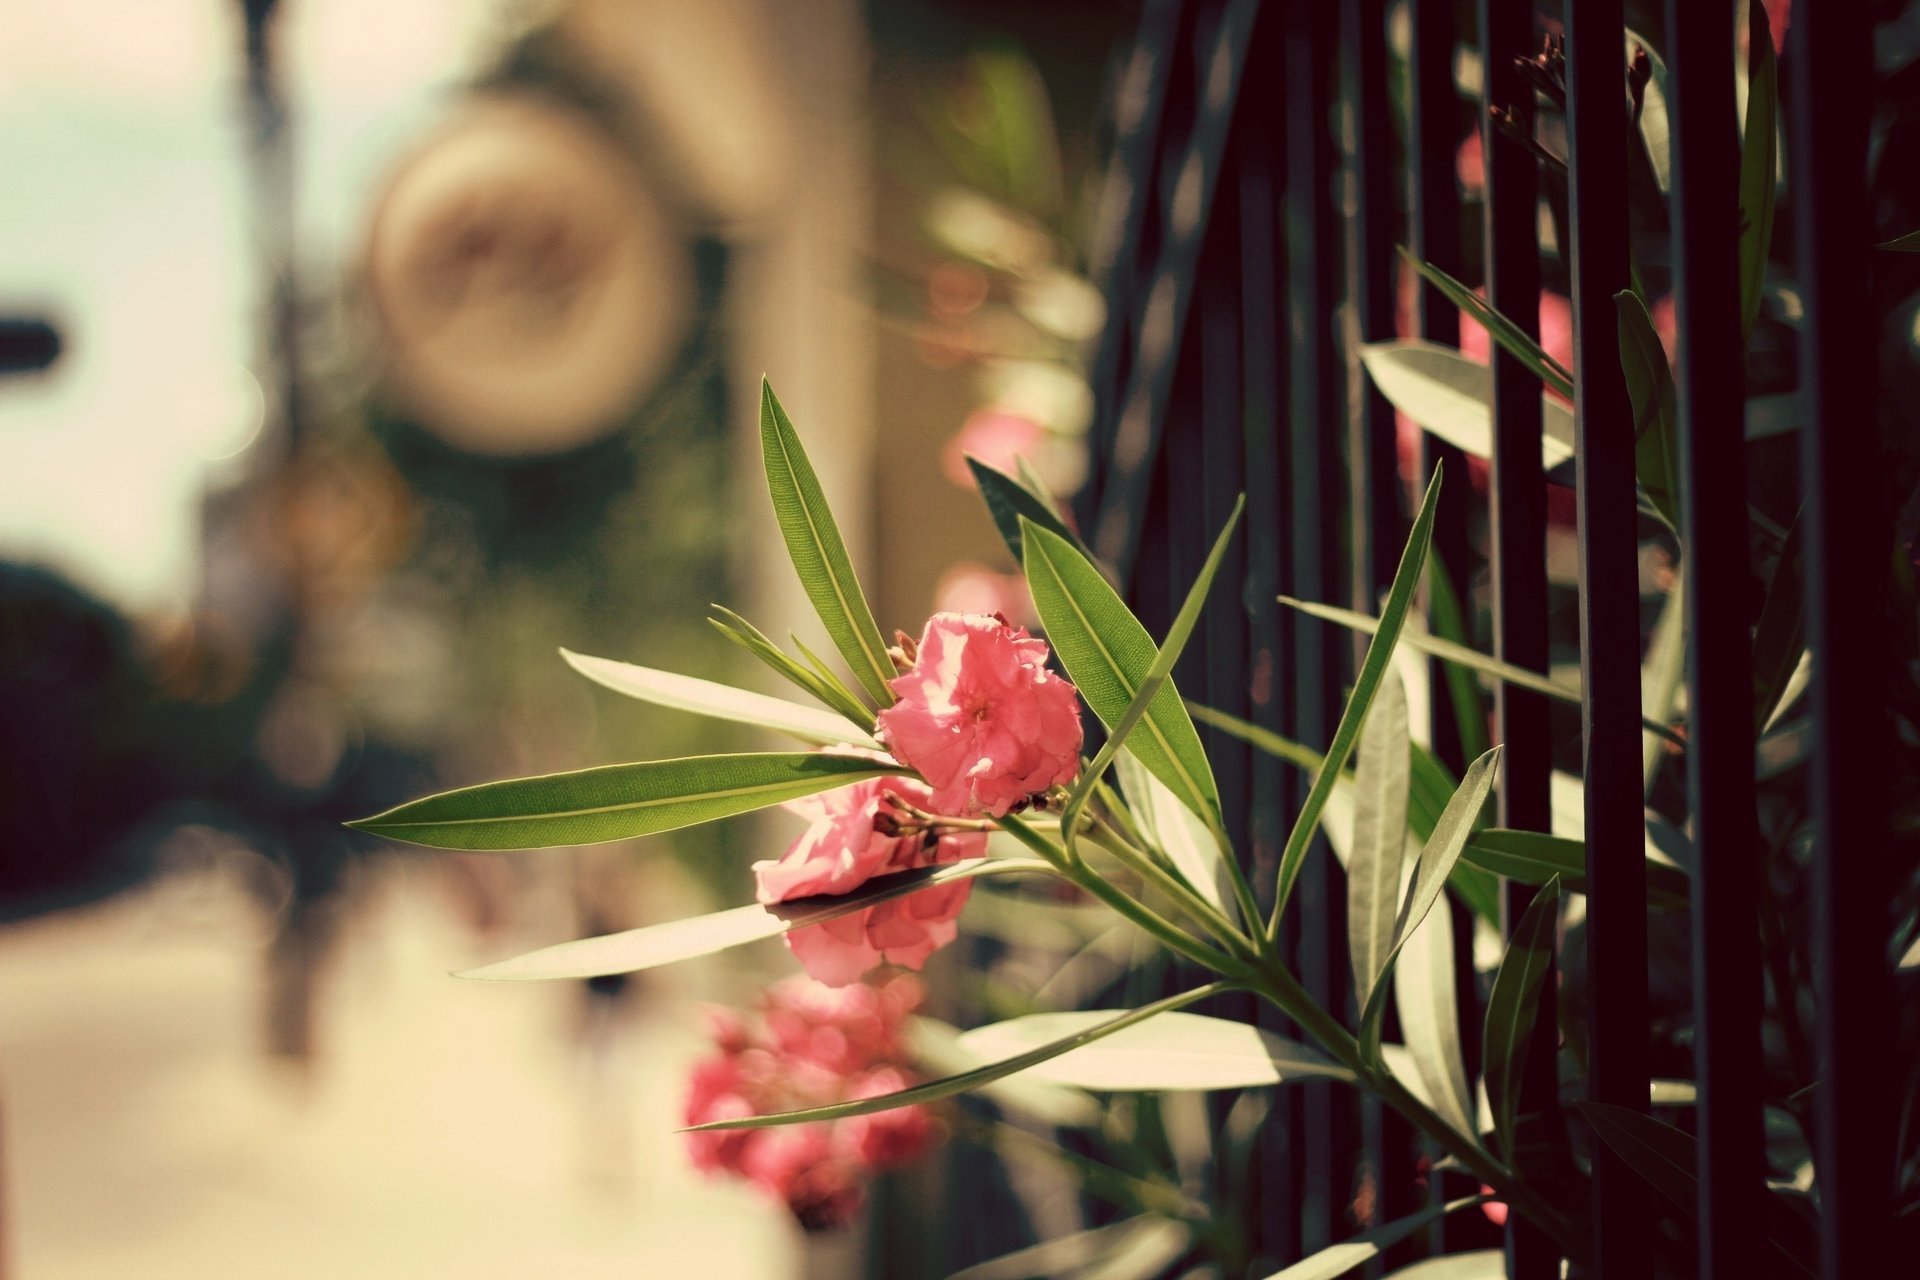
(1496, 1210)
(980, 716)
(1470, 162)
(1666, 323)
(811, 1046)
(846, 844)
(996, 437)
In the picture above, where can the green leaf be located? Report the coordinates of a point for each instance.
(1382, 775)
(1668, 1159)
(1156, 1241)
(722, 702)
(1110, 656)
(1504, 331)
(1452, 397)
(1662, 677)
(1431, 786)
(948, 1086)
(1908, 243)
(1757, 164)
(1533, 858)
(1459, 655)
(1176, 832)
(1476, 1264)
(617, 802)
(827, 689)
(819, 555)
(1426, 994)
(1446, 623)
(1406, 580)
(1009, 502)
(1654, 128)
(1656, 430)
(677, 940)
(1175, 1051)
(1512, 1007)
(1443, 849)
(1341, 1258)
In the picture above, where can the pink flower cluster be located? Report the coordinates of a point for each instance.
(854, 834)
(988, 726)
(980, 716)
(810, 1046)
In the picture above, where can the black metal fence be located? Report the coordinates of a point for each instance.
(1261, 185)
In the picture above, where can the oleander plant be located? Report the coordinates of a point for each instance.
(959, 755)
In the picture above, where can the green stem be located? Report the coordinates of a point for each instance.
(1285, 993)
(1171, 883)
(1199, 952)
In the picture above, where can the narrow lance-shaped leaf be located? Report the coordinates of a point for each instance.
(1504, 331)
(1656, 413)
(616, 802)
(1442, 851)
(1532, 857)
(1009, 502)
(1432, 785)
(1109, 656)
(1908, 243)
(1668, 1159)
(1460, 655)
(1655, 130)
(1337, 1260)
(1512, 1007)
(1175, 1051)
(1780, 635)
(1475, 1264)
(1757, 164)
(1451, 397)
(720, 701)
(819, 554)
(1373, 669)
(1426, 996)
(677, 940)
(828, 690)
(1176, 831)
(948, 1086)
(1381, 779)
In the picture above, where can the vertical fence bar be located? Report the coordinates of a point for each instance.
(1313, 254)
(1847, 543)
(1518, 518)
(1726, 946)
(1433, 233)
(1373, 488)
(1187, 189)
(1609, 619)
(1375, 520)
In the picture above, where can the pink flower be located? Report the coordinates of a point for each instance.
(810, 1046)
(996, 437)
(980, 716)
(842, 849)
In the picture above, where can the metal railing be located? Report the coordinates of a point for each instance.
(1260, 187)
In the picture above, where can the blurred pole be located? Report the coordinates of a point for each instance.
(301, 942)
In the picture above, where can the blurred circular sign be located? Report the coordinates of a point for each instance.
(529, 286)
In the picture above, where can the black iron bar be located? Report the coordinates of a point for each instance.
(1726, 879)
(1616, 927)
(1518, 520)
(1847, 544)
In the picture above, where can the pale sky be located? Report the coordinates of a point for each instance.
(124, 215)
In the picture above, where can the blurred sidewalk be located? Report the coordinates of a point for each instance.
(448, 1129)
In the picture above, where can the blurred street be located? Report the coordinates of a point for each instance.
(447, 1128)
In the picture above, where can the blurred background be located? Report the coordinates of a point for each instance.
(356, 357)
